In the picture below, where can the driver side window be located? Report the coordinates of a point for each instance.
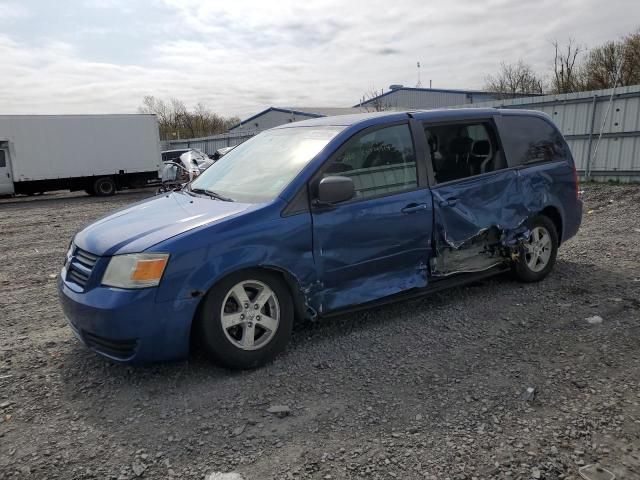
(379, 162)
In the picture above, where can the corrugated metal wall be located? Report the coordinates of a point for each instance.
(408, 99)
(581, 116)
(421, 98)
(209, 145)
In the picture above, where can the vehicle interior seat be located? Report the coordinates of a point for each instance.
(480, 158)
(456, 162)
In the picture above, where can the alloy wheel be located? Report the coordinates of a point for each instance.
(538, 249)
(250, 315)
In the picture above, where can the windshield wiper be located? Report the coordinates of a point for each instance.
(212, 194)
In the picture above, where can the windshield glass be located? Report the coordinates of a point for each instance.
(259, 169)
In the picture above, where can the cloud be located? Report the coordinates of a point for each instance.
(11, 11)
(387, 51)
(239, 57)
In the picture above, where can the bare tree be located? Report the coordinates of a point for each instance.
(613, 62)
(373, 101)
(175, 120)
(566, 71)
(631, 66)
(160, 109)
(514, 78)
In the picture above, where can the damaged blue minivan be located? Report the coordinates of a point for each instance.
(316, 218)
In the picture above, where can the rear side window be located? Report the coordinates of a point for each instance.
(3, 160)
(529, 140)
(462, 150)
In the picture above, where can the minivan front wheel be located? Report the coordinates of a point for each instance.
(538, 253)
(246, 319)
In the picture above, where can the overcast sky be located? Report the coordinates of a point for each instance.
(240, 56)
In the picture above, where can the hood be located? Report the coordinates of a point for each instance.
(147, 223)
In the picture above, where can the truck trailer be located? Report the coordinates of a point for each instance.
(99, 154)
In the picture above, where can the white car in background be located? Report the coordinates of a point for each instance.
(193, 160)
(180, 167)
(221, 152)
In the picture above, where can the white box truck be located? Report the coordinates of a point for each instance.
(96, 153)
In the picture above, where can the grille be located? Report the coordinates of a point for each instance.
(81, 266)
(120, 349)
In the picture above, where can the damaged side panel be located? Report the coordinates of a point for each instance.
(372, 249)
(479, 223)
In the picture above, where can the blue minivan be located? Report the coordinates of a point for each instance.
(320, 217)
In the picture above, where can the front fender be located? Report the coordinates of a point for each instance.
(199, 259)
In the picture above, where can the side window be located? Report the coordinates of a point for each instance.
(531, 140)
(3, 160)
(462, 150)
(379, 162)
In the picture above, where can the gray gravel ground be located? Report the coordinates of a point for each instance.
(430, 388)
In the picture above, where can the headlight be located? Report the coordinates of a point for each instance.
(69, 254)
(135, 270)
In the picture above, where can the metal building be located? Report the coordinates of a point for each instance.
(405, 98)
(397, 98)
(602, 128)
(275, 116)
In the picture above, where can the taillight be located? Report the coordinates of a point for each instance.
(576, 181)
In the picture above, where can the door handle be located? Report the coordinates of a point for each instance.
(449, 202)
(414, 207)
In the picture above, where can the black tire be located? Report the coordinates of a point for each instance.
(104, 187)
(216, 342)
(521, 268)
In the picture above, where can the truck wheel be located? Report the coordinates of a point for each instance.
(104, 187)
(538, 254)
(246, 319)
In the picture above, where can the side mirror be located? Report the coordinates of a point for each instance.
(335, 189)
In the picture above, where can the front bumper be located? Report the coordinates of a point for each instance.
(128, 325)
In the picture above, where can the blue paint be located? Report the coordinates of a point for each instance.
(371, 249)
(334, 258)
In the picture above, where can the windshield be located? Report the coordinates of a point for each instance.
(259, 169)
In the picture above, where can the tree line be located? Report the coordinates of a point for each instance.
(575, 68)
(176, 121)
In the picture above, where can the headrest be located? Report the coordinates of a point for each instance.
(460, 145)
(481, 148)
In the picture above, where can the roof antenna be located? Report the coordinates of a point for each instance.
(419, 84)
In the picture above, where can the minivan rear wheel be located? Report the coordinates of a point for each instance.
(538, 254)
(246, 319)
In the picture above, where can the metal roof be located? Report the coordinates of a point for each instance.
(439, 90)
(311, 112)
(323, 111)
